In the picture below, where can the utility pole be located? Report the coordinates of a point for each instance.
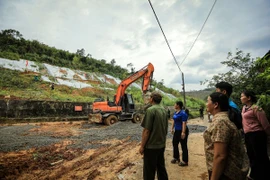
(184, 94)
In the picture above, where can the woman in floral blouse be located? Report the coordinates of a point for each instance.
(224, 150)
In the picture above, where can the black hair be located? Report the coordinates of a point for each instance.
(225, 86)
(180, 104)
(250, 94)
(187, 111)
(156, 97)
(221, 99)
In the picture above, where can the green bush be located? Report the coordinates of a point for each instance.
(20, 82)
(9, 55)
(12, 79)
(264, 102)
(6, 77)
(31, 56)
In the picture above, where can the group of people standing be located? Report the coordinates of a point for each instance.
(231, 152)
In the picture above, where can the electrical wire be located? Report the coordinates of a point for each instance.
(189, 49)
(199, 32)
(164, 35)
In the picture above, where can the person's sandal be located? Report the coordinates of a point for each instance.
(174, 161)
(183, 164)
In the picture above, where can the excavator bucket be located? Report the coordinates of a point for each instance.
(95, 118)
(146, 97)
(146, 105)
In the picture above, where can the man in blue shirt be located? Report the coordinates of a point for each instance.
(226, 89)
(234, 111)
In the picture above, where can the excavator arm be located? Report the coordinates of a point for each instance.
(146, 72)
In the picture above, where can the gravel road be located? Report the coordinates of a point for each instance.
(17, 137)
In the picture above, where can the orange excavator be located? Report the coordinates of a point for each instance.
(123, 106)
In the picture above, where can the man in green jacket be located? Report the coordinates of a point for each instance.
(155, 124)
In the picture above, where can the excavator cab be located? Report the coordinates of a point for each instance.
(127, 103)
(128, 109)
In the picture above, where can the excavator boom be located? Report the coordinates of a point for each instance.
(146, 72)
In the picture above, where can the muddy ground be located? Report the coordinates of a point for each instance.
(79, 150)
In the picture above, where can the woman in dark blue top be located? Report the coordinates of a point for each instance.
(180, 134)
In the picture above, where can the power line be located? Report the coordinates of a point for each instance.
(183, 82)
(199, 32)
(164, 35)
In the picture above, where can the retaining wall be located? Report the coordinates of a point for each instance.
(20, 109)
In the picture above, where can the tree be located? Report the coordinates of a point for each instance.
(103, 61)
(113, 62)
(80, 52)
(11, 33)
(10, 40)
(89, 55)
(262, 82)
(241, 74)
(132, 69)
(76, 60)
(262, 66)
(240, 67)
(161, 83)
(245, 73)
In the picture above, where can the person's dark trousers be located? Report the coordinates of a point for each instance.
(183, 142)
(153, 160)
(256, 144)
(184, 147)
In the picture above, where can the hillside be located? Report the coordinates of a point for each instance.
(200, 94)
(24, 79)
(39, 76)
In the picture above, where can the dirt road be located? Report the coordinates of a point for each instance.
(78, 150)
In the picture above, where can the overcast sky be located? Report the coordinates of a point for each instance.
(127, 31)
